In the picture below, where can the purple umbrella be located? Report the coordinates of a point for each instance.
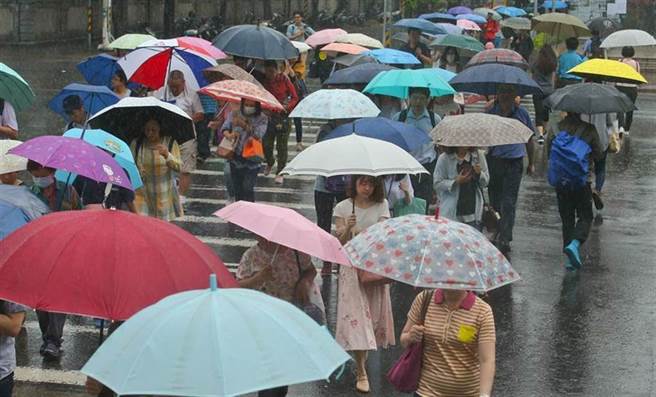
(459, 10)
(74, 155)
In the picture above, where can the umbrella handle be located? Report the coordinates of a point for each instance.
(437, 212)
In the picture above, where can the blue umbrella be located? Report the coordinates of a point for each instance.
(459, 10)
(450, 28)
(23, 198)
(485, 79)
(438, 16)
(510, 11)
(111, 144)
(94, 97)
(405, 136)
(420, 24)
(391, 56)
(358, 74)
(99, 70)
(560, 5)
(472, 17)
(11, 218)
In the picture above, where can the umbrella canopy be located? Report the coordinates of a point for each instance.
(463, 42)
(466, 24)
(397, 83)
(75, 156)
(127, 118)
(628, 37)
(459, 10)
(608, 70)
(406, 136)
(99, 69)
(23, 198)
(9, 162)
(590, 98)
(301, 46)
(111, 144)
(431, 253)
(358, 155)
(255, 41)
(232, 342)
(453, 29)
(11, 218)
(229, 71)
(352, 60)
(472, 17)
(285, 227)
(480, 130)
(345, 48)
(516, 23)
(560, 26)
(438, 16)
(76, 272)
(483, 11)
(419, 24)
(359, 39)
(193, 43)
(498, 55)
(602, 25)
(324, 36)
(549, 5)
(359, 74)
(330, 104)
(14, 89)
(510, 11)
(94, 97)
(129, 41)
(392, 56)
(236, 90)
(485, 79)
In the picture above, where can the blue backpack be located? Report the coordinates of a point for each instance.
(568, 161)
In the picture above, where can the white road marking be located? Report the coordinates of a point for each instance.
(258, 189)
(297, 206)
(38, 375)
(290, 177)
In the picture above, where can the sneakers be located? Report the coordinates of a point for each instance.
(299, 147)
(596, 198)
(573, 254)
(267, 170)
(52, 351)
(279, 179)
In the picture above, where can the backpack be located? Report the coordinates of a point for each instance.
(568, 161)
(403, 116)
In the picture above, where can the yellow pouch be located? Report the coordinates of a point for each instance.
(466, 333)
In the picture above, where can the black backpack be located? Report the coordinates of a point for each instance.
(403, 116)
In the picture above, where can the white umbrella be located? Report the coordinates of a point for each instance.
(628, 37)
(331, 104)
(301, 46)
(353, 155)
(359, 39)
(10, 162)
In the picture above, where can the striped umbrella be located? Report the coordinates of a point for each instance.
(498, 55)
(14, 89)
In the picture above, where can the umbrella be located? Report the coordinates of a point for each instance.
(602, 25)
(285, 227)
(229, 71)
(608, 70)
(463, 42)
(485, 79)
(483, 11)
(331, 104)
(431, 253)
(9, 162)
(23, 198)
(14, 89)
(193, 43)
(301, 46)
(560, 26)
(94, 97)
(352, 60)
(255, 41)
(480, 130)
(345, 48)
(11, 218)
(405, 136)
(99, 69)
(472, 17)
(126, 119)
(419, 24)
(549, 5)
(353, 155)
(438, 16)
(103, 263)
(391, 56)
(324, 36)
(236, 90)
(590, 98)
(510, 11)
(75, 156)
(359, 39)
(516, 23)
(451, 28)
(628, 37)
(129, 41)
(466, 24)
(151, 63)
(359, 74)
(111, 144)
(498, 55)
(397, 83)
(459, 10)
(228, 342)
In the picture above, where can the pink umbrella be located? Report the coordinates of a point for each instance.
(201, 45)
(324, 36)
(285, 227)
(236, 90)
(468, 25)
(345, 48)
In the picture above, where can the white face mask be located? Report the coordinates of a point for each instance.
(249, 110)
(43, 181)
(450, 58)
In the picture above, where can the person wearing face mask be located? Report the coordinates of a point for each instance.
(74, 109)
(450, 60)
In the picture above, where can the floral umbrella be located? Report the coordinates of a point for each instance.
(236, 90)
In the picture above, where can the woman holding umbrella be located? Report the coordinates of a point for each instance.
(543, 72)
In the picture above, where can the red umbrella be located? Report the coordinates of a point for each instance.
(498, 55)
(236, 90)
(103, 263)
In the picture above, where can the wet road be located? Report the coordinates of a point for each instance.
(584, 334)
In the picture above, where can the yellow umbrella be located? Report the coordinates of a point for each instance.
(608, 70)
(560, 26)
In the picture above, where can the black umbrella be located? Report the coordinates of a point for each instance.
(255, 41)
(590, 98)
(602, 25)
(352, 60)
(485, 79)
(358, 74)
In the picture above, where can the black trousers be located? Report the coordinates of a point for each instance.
(575, 208)
(626, 119)
(423, 184)
(324, 203)
(503, 188)
(52, 326)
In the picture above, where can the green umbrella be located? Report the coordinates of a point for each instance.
(14, 89)
(397, 83)
(483, 11)
(517, 23)
(458, 41)
(129, 41)
(560, 26)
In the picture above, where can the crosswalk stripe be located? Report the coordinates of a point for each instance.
(227, 241)
(258, 189)
(220, 173)
(57, 376)
(299, 206)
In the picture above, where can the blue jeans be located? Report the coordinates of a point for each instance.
(503, 188)
(243, 182)
(7, 385)
(600, 172)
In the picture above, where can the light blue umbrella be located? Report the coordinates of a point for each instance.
(11, 218)
(111, 144)
(560, 5)
(419, 24)
(450, 28)
(214, 342)
(473, 17)
(397, 83)
(23, 198)
(510, 11)
(393, 57)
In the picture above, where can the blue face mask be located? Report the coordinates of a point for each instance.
(43, 181)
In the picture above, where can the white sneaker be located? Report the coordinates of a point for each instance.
(183, 200)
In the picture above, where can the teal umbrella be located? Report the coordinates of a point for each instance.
(458, 41)
(14, 89)
(397, 83)
(215, 342)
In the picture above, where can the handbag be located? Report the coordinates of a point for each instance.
(253, 149)
(490, 217)
(226, 149)
(313, 311)
(416, 206)
(405, 373)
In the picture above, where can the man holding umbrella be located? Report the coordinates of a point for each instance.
(417, 48)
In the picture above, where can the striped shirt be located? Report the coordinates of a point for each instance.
(450, 365)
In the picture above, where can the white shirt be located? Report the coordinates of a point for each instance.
(8, 117)
(187, 100)
(393, 191)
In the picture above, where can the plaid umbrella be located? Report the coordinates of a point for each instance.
(236, 90)
(479, 130)
(498, 55)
